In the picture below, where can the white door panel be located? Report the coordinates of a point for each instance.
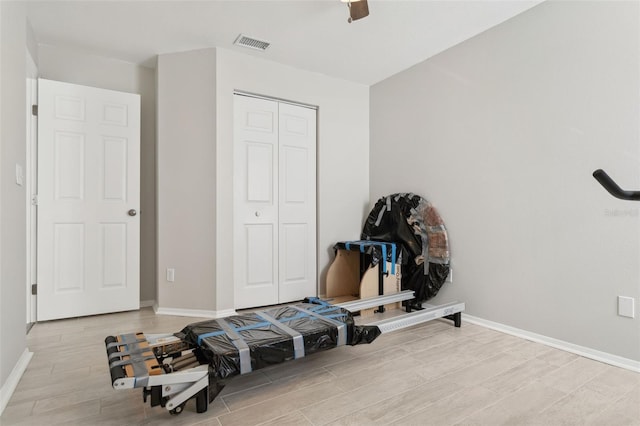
(295, 242)
(274, 202)
(255, 202)
(88, 160)
(259, 260)
(297, 207)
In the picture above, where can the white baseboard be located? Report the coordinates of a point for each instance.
(147, 303)
(594, 354)
(12, 381)
(199, 313)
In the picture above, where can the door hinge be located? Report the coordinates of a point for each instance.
(34, 289)
(34, 200)
(34, 110)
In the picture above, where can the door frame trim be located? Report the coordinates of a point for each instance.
(31, 188)
(271, 98)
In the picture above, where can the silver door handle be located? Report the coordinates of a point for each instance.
(132, 212)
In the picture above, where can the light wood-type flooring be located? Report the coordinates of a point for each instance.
(431, 374)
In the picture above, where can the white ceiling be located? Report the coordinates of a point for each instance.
(308, 34)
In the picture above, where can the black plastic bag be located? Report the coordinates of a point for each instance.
(269, 344)
(415, 225)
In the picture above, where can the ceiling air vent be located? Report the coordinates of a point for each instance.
(251, 43)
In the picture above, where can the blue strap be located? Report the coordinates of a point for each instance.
(211, 334)
(334, 316)
(268, 324)
(252, 326)
(384, 258)
(317, 301)
(383, 245)
(303, 315)
(324, 308)
(393, 258)
(327, 309)
(293, 318)
(360, 243)
(220, 333)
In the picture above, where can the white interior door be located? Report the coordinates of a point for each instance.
(255, 184)
(297, 206)
(88, 200)
(274, 202)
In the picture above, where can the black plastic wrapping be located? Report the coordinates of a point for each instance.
(269, 344)
(415, 225)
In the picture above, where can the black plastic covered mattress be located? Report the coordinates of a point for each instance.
(242, 343)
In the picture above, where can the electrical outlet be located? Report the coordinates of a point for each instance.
(171, 275)
(626, 306)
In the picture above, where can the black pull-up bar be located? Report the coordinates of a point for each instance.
(613, 188)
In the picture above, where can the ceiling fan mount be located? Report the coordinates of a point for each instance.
(358, 9)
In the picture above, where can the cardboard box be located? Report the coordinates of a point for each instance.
(344, 281)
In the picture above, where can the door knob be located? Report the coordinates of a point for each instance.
(257, 214)
(132, 212)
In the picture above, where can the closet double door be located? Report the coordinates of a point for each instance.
(274, 202)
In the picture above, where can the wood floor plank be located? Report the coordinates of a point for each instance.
(277, 388)
(519, 407)
(345, 403)
(519, 376)
(452, 409)
(431, 373)
(574, 374)
(279, 406)
(401, 405)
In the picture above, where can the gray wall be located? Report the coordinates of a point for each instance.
(187, 179)
(72, 66)
(32, 43)
(195, 173)
(502, 133)
(13, 267)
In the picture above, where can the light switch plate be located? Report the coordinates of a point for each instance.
(626, 306)
(171, 275)
(19, 175)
